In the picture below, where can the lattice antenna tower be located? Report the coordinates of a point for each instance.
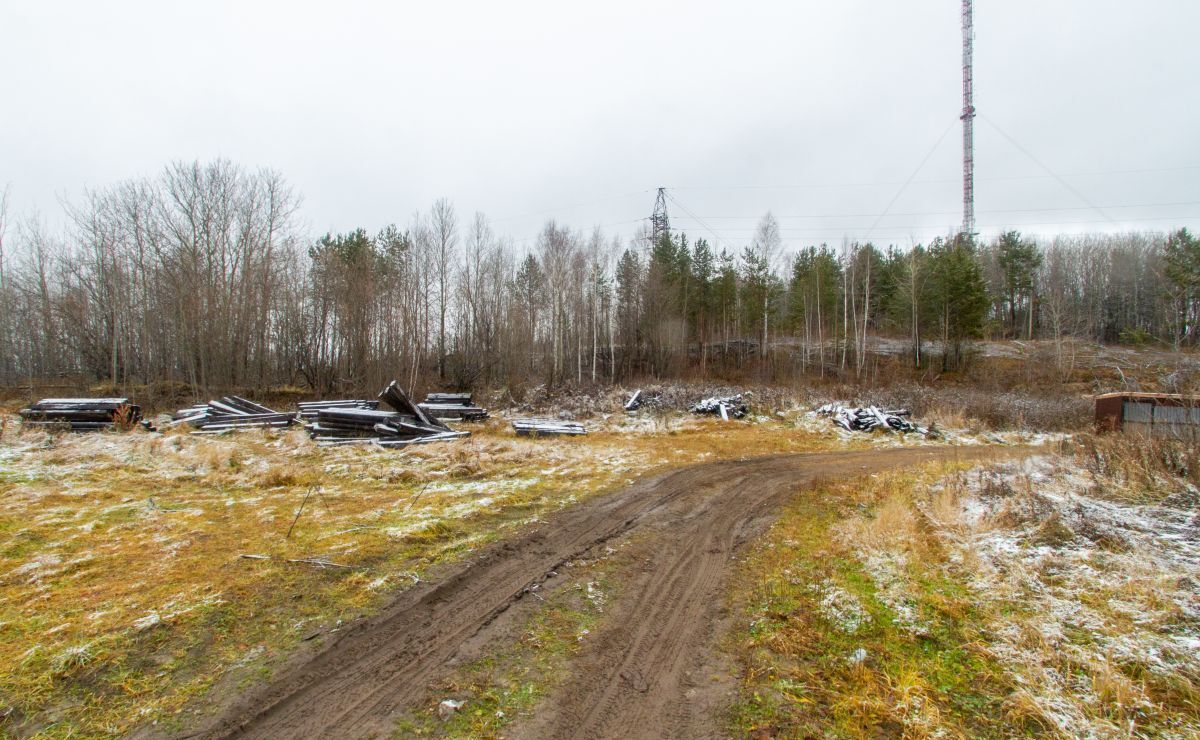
(968, 117)
(660, 223)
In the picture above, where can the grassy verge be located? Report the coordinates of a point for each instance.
(855, 625)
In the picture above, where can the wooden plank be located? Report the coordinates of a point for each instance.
(442, 437)
(456, 399)
(115, 401)
(67, 414)
(395, 397)
(633, 403)
(547, 427)
(248, 406)
(251, 418)
(66, 426)
(226, 408)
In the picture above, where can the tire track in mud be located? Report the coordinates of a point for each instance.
(638, 677)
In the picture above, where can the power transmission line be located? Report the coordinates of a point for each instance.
(697, 219)
(1051, 172)
(937, 181)
(903, 187)
(1003, 225)
(952, 213)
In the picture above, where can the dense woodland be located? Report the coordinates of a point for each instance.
(201, 275)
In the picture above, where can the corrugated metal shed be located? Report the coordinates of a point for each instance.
(1156, 414)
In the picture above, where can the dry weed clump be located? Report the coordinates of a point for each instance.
(960, 406)
(1135, 468)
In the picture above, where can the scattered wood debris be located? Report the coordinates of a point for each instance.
(635, 401)
(453, 406)
(229, 413)
(82, 414)
(405, 424)
(547, 428)
(869, 419)
(317, 561)
(734, 406)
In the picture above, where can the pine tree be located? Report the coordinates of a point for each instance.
(959, 293)
(726, 295)
(1181, 258)
(1019, 261)
(629, 307)
(700, 302)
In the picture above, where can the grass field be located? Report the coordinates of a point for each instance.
(138, 571)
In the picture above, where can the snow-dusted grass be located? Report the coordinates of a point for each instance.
(1096, 612)
(124, 592)
(1054, 594)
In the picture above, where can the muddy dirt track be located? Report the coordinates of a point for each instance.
(649, 671)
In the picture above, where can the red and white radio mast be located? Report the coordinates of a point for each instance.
(968, 118)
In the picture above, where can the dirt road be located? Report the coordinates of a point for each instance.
(644, 673)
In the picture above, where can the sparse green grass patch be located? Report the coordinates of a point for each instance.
(510, 679)
(828, 650)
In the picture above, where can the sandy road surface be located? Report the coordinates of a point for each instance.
(644, 673)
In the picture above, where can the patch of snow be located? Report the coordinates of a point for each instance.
(892, 588)
(841, 607)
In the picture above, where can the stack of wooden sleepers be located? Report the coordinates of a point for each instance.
(546, 427)
(309, 409)
(81, 414)
(229, 413)
(453, 406)
(405, 424)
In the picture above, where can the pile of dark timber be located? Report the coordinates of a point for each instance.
(229, 413)
(640, 399)
(406, 424)
(546, 427)
(869, 419)
(453, 406)
(309, 409)
(81, 414)
(724, 407)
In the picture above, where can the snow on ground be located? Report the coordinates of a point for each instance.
(1094, 600)
(841, 607)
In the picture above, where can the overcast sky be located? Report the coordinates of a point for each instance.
(817, 111)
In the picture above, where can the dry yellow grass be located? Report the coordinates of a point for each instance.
(123, 590)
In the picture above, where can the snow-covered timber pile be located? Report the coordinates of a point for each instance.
(869, 419)
(733, 406)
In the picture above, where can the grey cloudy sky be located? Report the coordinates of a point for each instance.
(818, 111)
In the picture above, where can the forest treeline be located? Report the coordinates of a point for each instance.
(202, 275)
